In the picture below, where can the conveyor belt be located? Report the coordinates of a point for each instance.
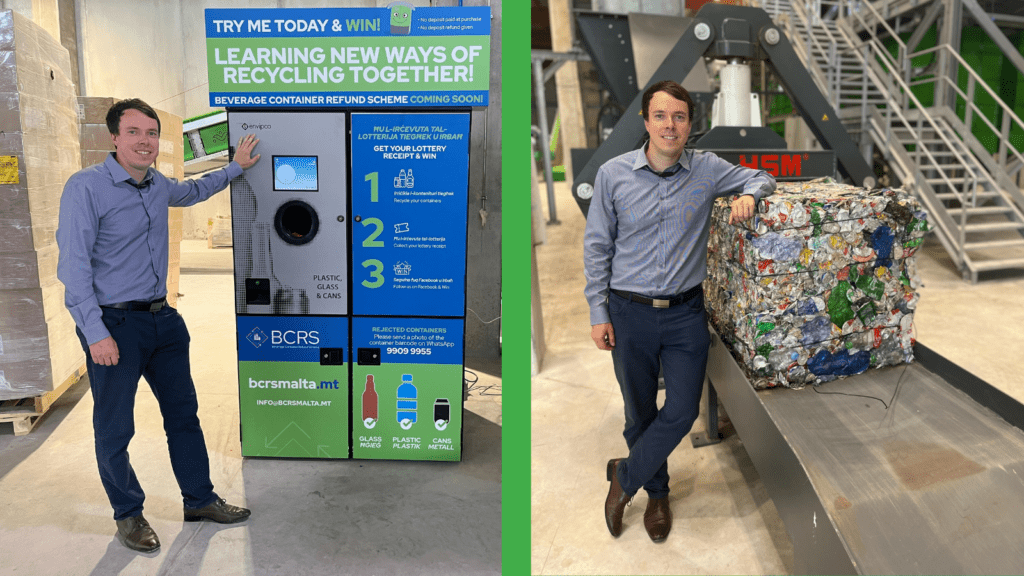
(933, 484)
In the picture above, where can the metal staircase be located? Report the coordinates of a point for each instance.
(973, 202)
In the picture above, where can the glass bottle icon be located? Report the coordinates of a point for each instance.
(406, 400)
(369, 399)
(409, 179)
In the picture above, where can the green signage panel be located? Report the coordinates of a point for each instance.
(407, 412)
(294, 409)
(293, 386)
(349, 57)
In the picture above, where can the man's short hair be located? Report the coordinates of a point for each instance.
(122, 106)
(671, 88)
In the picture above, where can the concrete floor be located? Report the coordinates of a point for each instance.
(309, 516)
(724, 520)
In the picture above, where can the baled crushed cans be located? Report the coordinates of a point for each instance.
(820, 284)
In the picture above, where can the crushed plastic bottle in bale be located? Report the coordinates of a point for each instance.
(821, 285)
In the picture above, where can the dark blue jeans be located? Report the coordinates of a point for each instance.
(154, 345)
(646, 339)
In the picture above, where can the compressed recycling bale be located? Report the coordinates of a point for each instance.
(821, 285)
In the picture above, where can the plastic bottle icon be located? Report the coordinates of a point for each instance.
(369, 400)
(400, 179)
(406, 405)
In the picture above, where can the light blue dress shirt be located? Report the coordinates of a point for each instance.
(648, 234)
(113, 236)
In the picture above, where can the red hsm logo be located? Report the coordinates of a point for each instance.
(778, 165)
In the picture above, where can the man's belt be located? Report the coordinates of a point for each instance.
(673, 301)
(138, 305)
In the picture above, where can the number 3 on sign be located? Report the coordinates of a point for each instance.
(378, 278)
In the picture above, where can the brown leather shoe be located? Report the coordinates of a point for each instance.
(658, 519)
(220, 512)
(136, 533)
(615, 503)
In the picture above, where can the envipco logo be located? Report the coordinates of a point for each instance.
(256, 337)
(255, 126)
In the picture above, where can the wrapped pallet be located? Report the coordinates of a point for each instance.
(820, 285)
(39, 151)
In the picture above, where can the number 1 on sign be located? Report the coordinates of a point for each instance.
(372, 178)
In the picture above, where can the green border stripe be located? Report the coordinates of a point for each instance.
(515, 185)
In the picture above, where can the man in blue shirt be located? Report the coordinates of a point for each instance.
(645, 256)
(113, 241)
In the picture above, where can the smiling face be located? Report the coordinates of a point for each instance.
(668, 123)
(401, 16)
(137, 143)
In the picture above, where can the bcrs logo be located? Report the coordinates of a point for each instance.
(257, 337)
(295, 337)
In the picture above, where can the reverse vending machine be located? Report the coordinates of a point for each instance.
(350, 267)
(289, 215)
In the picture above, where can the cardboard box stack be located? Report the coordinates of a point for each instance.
(39, 151)
(821, 285)
(96, 144)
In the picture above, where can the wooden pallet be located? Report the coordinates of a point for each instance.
(24, 413)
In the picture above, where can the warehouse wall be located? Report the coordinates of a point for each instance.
(132, 52)
(43, 12)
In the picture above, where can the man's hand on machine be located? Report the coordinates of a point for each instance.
(743, 209)
(243, 154)
(603, 335)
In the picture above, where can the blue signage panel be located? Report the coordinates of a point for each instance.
(407, 340)
(322, 339)
(410, 181)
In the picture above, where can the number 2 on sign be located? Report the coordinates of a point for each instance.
(372, 178)
(378, 278)
(371, 240)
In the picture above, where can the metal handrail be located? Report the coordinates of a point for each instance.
(823, 79)
(977, 80)
(959, 257)
(974, 79)
(875, 43)
(816, 73)
(901, 62)
(963, 157)
(877, 49)
(970, 183)
(905, 89)
(876, 53)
